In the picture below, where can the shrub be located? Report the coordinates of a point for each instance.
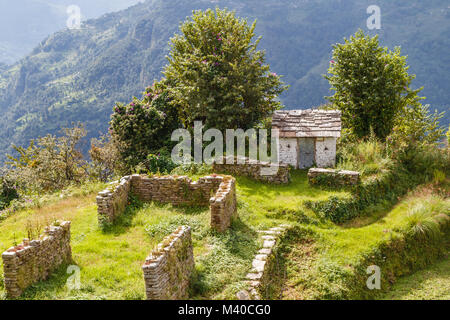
(193, 169)
(369, 157)
(159, 163)
(50, 163)
(106, 162)
(371, 85)
(143, 127)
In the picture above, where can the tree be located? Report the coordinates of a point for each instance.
(371, 84)
(144, 126)
(50, 163)
(219, 76)
(105, 156)
(416, 125)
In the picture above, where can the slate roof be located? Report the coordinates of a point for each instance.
(307, 123)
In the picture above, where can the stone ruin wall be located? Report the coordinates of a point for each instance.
(33, 261)
(258, 170)
(259, 279)
(175, 190)
(168, 269)
(217, 191)
(113, 201)
(318, 176)
(224, 205)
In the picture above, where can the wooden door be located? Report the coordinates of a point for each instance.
(306, 150)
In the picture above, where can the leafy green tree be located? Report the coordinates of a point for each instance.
(417, 125)
(49, 163)
(143, 127)
(371, 84)
(220, 77)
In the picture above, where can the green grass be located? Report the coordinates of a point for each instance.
(111, 259)
(319, 262)
(432, 283)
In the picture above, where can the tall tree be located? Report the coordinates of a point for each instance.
(220, 77)
(371, 84)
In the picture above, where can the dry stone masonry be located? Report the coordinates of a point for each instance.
(330, 177)
(33, 261)
(258, 278)
(217, 191)
(258, 170)
(113, 201)
(168, 269)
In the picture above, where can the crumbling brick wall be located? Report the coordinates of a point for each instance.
(168, 269)
(33, 261)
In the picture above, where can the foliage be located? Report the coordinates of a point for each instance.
(49, 163)
(192, 169)
(371, 84)
(368, 157)
(448, 137)
(144, 126)
(105, 159)
(60, 81)
(416, 125)
(8, 191)
(161, 163)
(219, 75)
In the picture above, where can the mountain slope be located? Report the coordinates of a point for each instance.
(78, 75)
(24, 23)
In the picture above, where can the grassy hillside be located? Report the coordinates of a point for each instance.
(432, 283)
(77, 75)
(319, 256)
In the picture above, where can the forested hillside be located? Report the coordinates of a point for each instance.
(78, 75)
(25, 23)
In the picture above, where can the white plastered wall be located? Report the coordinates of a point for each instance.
(287, 151)
(325, 152)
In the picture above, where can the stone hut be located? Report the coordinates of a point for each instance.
(307, 137)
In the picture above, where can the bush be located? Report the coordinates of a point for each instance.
(369, 157)
(159, 163)
(143, 127)
(371, 85)
(106, 162)
(50, 163)
(8, 192)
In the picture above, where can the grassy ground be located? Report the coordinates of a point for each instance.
(111, 260)
(317, 261)
(432, 283)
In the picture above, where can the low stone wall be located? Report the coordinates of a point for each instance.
(175, 190)
(258, 170)
(331, 177)
(168, 269)
(113, 201)
(259, 278)
(223, 205)
(217, 191)
(33, 261)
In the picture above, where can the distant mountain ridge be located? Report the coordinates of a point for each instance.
(24, 23)
(78, 75)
